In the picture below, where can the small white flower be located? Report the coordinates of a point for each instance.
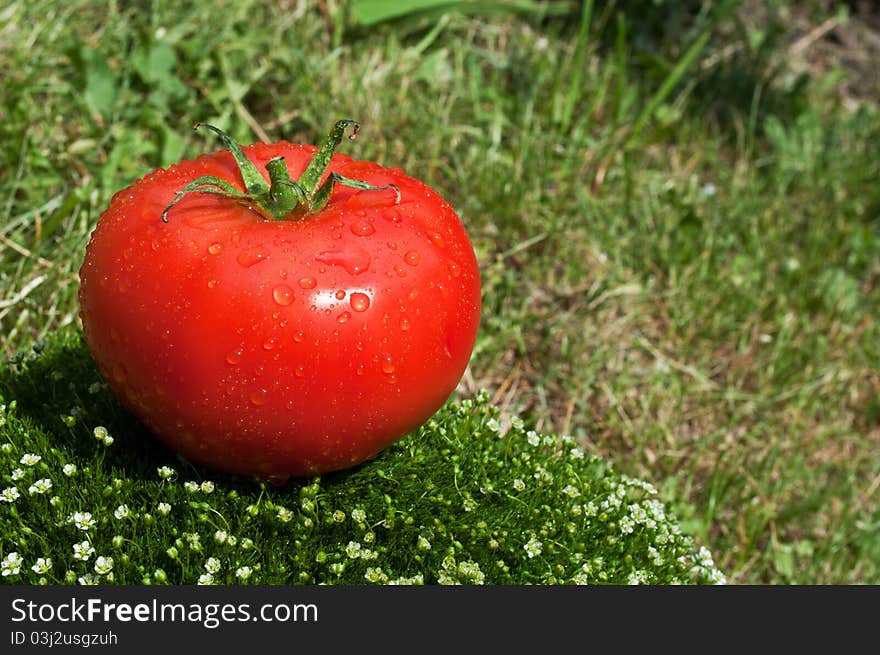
(284, 514)
(353, 549)
(358, 515)
(108, 440)
(69, 469)
(191, 486)
(29, 459)
(493, 425)
(103, 565)
(42, 565)
(576, 453)
(194, 540)
(165, 472)
(83, 551)
(9, 494)
(221, 536)
(122, 512)
(423, 544)
(519, 485)
(571, 491)
(207, 487)
(101, 433)
(17, 474)
(83, 520)
(163, 508)
(533, 438)
(243, 572)
(11, 565)
(54, 501)
(534, 547)
(88, 579)
(212, 565)
(95, 387)
(206, 579)
(40, 486)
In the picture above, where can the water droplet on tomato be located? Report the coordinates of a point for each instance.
(388, 366)
(119, 373)
(354, 261)
(412, 258)
(340, 294)
(307, 282)
(212, 283)
(259, 397)
(299, 371)
(282, 294)
(454, 269)
(343, 317)
(215, 248)
(298, 337)
(360, 369)
(404, 324)
(437, 239)
(248, 258)
(399, 270)
(392, 245)
(362, 228)
(234, 356)
(260, 371)
(290, 405)
(360, 302)
(270, 343)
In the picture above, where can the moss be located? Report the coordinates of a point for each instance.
(461, 500)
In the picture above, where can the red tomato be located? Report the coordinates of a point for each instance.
(280, 347)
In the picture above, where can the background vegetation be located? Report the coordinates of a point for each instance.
(674, 204)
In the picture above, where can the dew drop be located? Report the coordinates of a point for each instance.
(212, 283)
(282, 294)
(437, 239)
(399, 270)
(290, 405)
(404, 324)
(307, 282)
(234, 356)
(392, 245)
(340, 294)
(454, 269)
(343, 317)
(270, 343)
(412, 258)
(215, 248)
(360, 302)
(299, 371)
(360, 369)
(362, 228)
(298, 337)
(388, 366)
(259, 397)
(260, 371)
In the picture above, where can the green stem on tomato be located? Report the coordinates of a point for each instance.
(281, 198)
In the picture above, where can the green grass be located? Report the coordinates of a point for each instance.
(678, 232)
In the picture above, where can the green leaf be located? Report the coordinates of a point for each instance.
(100, 82)
(373, 12)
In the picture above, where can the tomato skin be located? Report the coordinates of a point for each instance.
(280, 348)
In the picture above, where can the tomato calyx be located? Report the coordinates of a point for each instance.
(282, 198)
